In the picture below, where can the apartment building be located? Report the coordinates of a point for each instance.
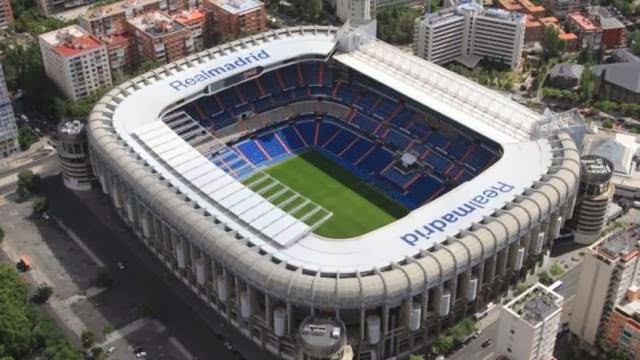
(76, 61)
(8, 129)
(121, 54)
(159, 38)
(623, 329)
(570, 39)
(359, 11)
(528, 325)
(234, 18)
(468, 33)
(562, 8)
(597, 28)
(610, 267)
(112, 18)
(196, 22)
(6, 14)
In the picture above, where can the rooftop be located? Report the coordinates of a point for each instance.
(156, 24)
(606, 19)
(567, 70)
(71, 127)
(471, 7)
(187, 18)
(625, 75)
(536, 304)
(237, 6)
(622, 244)
(115, 8)
(525, 6)
(583, 21)
(71, 40)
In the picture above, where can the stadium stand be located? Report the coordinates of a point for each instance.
(369, 141)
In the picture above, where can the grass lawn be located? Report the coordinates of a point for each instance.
(357, 207)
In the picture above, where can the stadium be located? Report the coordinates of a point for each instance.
(328, 194)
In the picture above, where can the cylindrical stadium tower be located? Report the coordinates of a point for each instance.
(596, 191)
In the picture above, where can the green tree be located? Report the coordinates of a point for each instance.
(396, 24)
(26, 138)
(587, 85)
(1, 235)
(545, 278)
(552, 45)
(145, 66)
(40, 205)
(556, 270)
(97, 353)
(107, 329)
(443, 345)
(520, 288)
(586, 55)
(634, 41)
(313, 9)
(88, 338)
(42, 294)
(27, 183)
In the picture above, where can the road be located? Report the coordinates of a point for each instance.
(474, 349)
(144, 278)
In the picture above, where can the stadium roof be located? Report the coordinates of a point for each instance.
(136, 119)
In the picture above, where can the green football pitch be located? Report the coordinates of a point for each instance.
(357, 207)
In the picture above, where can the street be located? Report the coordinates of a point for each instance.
(144, 279)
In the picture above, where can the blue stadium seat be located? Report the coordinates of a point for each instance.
(376, 160)
(289, 76)
(307, 130)
(357, 150)
(395, 138)
(397, 177)
(340, 142)
(327, 130)
(271, 145)
(367, 124)
(291, 138)
(269, 83)
(310, 71)
(438, 162)
(422, 189)
(250, 150)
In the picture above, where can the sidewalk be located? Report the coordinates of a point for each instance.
(37, 151)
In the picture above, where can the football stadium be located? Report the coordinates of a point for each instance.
(329, 195)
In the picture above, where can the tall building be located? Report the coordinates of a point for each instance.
(159, 38)
(6, 14)
(121, 53)
(50, 7)
(196, 22)
(112, 18)
(529, 324)
(355, 10)
(590, 213)
(610, 267)
(597, 27)
(623, 329)
(468, 33)
(76, 61)
(234, 18)
(8, 129)
(561, 8)
(73, 155)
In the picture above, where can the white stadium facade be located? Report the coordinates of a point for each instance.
(384, 294)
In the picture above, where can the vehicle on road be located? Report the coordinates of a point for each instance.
(111, 350)
(120, 265)
(24, 264)
(487, 343)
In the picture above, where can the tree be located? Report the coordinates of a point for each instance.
(443, 345)
(313, 8)
(42, 294)
(1, 235)
(396, 24)
(586, 56)
(552, 45)
(556, 270)
(40, 205)
(26, 138)
(107, 329)
(634, 41)
(27, 183)
(545, 278)
(520, 288)
(88, 338)
(587, 85)
(145, 66)
(97, 353)
(25, 332)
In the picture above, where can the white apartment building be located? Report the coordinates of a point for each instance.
(529, 324)
(610, 267)
(355, 10)
(468, 33)
(8, 129)
(76, 61)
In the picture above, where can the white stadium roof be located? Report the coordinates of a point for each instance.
(137, 121)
